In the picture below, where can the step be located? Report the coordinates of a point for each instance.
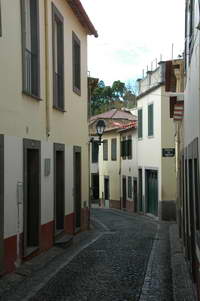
(64, 241)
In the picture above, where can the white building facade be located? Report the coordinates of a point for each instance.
(156, 148)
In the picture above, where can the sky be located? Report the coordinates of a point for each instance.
(133, 34)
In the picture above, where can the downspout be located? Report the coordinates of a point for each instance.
(48, 126)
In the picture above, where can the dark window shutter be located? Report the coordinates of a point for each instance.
(95, 152)
(105, 150)
(129, 147)
(114, 149)
(58, 59)
(30, 55)
(76, 64)
(150, 120)
(140, 134)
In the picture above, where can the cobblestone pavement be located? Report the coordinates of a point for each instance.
(126, 258)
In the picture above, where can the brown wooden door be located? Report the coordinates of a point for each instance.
(59, 187)
(77, 186)
(31, 195)
(124, 192)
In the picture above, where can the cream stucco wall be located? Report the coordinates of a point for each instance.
(22, 116)
(110, 168)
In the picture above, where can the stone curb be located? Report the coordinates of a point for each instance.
(183, 287)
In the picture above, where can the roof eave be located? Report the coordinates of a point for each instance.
(82, 16)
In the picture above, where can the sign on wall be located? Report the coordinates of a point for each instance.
(168, 152)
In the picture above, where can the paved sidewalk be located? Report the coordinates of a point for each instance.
(183, 287)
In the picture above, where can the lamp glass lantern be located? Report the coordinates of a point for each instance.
(100, 128)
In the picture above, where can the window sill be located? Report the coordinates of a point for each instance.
(59, 109)
(31, 95)
(140, 139)
(77, 91)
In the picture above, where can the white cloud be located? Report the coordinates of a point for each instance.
(132, 34)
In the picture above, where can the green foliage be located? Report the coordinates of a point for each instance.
(104, 98)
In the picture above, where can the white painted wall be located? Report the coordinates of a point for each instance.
(13, 172)
(47, 187)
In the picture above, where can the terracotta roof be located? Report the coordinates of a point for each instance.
(114, 114)
(82, 16)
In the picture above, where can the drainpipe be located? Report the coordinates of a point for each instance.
(48, 126)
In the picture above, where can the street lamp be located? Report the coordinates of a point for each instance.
(100, 128)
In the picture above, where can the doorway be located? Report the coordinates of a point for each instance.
(107, 191)
(32, 182)
(152, 191)
(1, 203)
(135, 193)
(95, 187)
(124, 192)
(59, 188)
(140, 192)
(77, 186)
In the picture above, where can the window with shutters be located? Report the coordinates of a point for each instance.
(30, 47)
(76, 64)
(129, 187)
(150, 120)
(140, 133)
(58, 59)
(129, 147)
(123, 148)
(114, 149)
(95, 152)
(105, 150)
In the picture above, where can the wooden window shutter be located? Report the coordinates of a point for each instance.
(58, 59)
(150, 120)
(76, 64)
(140, 134)
(114, 149)
(105, 150)
(129, 147)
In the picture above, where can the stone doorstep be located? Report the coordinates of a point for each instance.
(64, 241)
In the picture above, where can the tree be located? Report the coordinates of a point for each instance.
(104, 98)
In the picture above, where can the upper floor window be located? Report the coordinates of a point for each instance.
(76, 64)
(30, 47)
(126, 148)
(58, 59)
(150, 120)
(95, 151)
(140, 133)
(105, 150)
(114, 149)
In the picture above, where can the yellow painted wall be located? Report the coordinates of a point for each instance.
(110, 168)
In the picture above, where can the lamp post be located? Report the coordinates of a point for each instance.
(100, 128)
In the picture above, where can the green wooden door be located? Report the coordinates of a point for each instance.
(152, 192)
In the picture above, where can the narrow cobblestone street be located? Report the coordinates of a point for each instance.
(116, 263)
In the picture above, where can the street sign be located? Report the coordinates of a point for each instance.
(168, 152)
